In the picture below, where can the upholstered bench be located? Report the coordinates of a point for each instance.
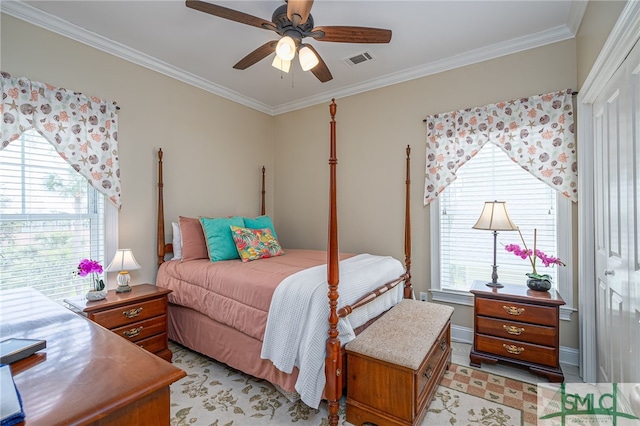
(395, 365)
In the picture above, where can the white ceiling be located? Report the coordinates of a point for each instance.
(201, 49)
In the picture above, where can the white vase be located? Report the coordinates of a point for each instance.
(96, 294)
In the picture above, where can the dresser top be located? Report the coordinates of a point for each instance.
(138, 293)
(517, 292)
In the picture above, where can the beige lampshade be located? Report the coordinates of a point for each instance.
(494, 217)
(123, 261)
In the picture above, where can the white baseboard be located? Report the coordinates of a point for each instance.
(568, 356)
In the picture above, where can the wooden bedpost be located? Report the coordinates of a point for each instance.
(160, 237)
(408, 290)
(262, 209)
(333, 361)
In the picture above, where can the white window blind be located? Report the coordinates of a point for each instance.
(50, 219)
(466, 254)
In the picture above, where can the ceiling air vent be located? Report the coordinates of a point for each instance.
(358, 59)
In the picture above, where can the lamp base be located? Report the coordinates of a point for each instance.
(123, 282)
(494, 285)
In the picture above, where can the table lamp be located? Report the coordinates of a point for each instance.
(123, 262)
(494, 217)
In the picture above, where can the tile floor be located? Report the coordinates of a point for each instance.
(460, 356)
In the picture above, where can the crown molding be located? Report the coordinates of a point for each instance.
(25, 12)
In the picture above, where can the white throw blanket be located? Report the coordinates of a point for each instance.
(297, 324)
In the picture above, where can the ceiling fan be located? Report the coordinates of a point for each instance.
(293, 22)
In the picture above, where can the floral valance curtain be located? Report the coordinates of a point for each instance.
(83, 130)
(535, 132)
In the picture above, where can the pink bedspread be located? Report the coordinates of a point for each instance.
(231, 292)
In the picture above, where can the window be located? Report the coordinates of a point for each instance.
(50, 219)
(462, 255)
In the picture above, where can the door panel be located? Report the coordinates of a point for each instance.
(619, 342)
(604, 344)
(612, 154)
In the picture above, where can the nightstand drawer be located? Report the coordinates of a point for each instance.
(125, 315)
(514, 311)
(154, 344)
(143, 329)
(521, 351)
(526, 332)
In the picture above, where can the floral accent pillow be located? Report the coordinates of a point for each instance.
(253, 244)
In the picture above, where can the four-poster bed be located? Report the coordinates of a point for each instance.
(227, 323)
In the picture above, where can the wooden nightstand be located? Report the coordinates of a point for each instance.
(518, 325)
(139, 316)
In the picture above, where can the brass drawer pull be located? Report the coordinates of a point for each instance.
(133, 332)
(513, 349)
(512, 310)
(512, 329)
(132, 313)
(428, 372)
(443, 345)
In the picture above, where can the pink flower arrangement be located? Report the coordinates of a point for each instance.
(88, 266)
(528, 253)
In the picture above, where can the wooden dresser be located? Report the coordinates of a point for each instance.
(86, 375)
(518, 325)
(139, 316)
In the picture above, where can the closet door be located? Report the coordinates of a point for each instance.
(616, 213)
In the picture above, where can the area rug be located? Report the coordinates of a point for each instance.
(214, 394)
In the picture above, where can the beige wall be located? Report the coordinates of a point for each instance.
(214, 148)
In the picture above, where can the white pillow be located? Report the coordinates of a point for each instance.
(177, 241)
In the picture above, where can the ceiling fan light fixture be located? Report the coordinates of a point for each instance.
(308, 59)
(280, 64)
(286, 48)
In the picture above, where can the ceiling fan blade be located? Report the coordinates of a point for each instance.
(321, 71)
(233, 15)
(343, 34)
(257, 55)
(301, 8)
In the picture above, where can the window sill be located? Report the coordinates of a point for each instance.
(466, 298)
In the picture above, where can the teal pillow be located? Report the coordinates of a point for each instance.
(260, 222)
(217, 234)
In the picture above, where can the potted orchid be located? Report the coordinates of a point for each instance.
(536, 281)
(97, 290)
